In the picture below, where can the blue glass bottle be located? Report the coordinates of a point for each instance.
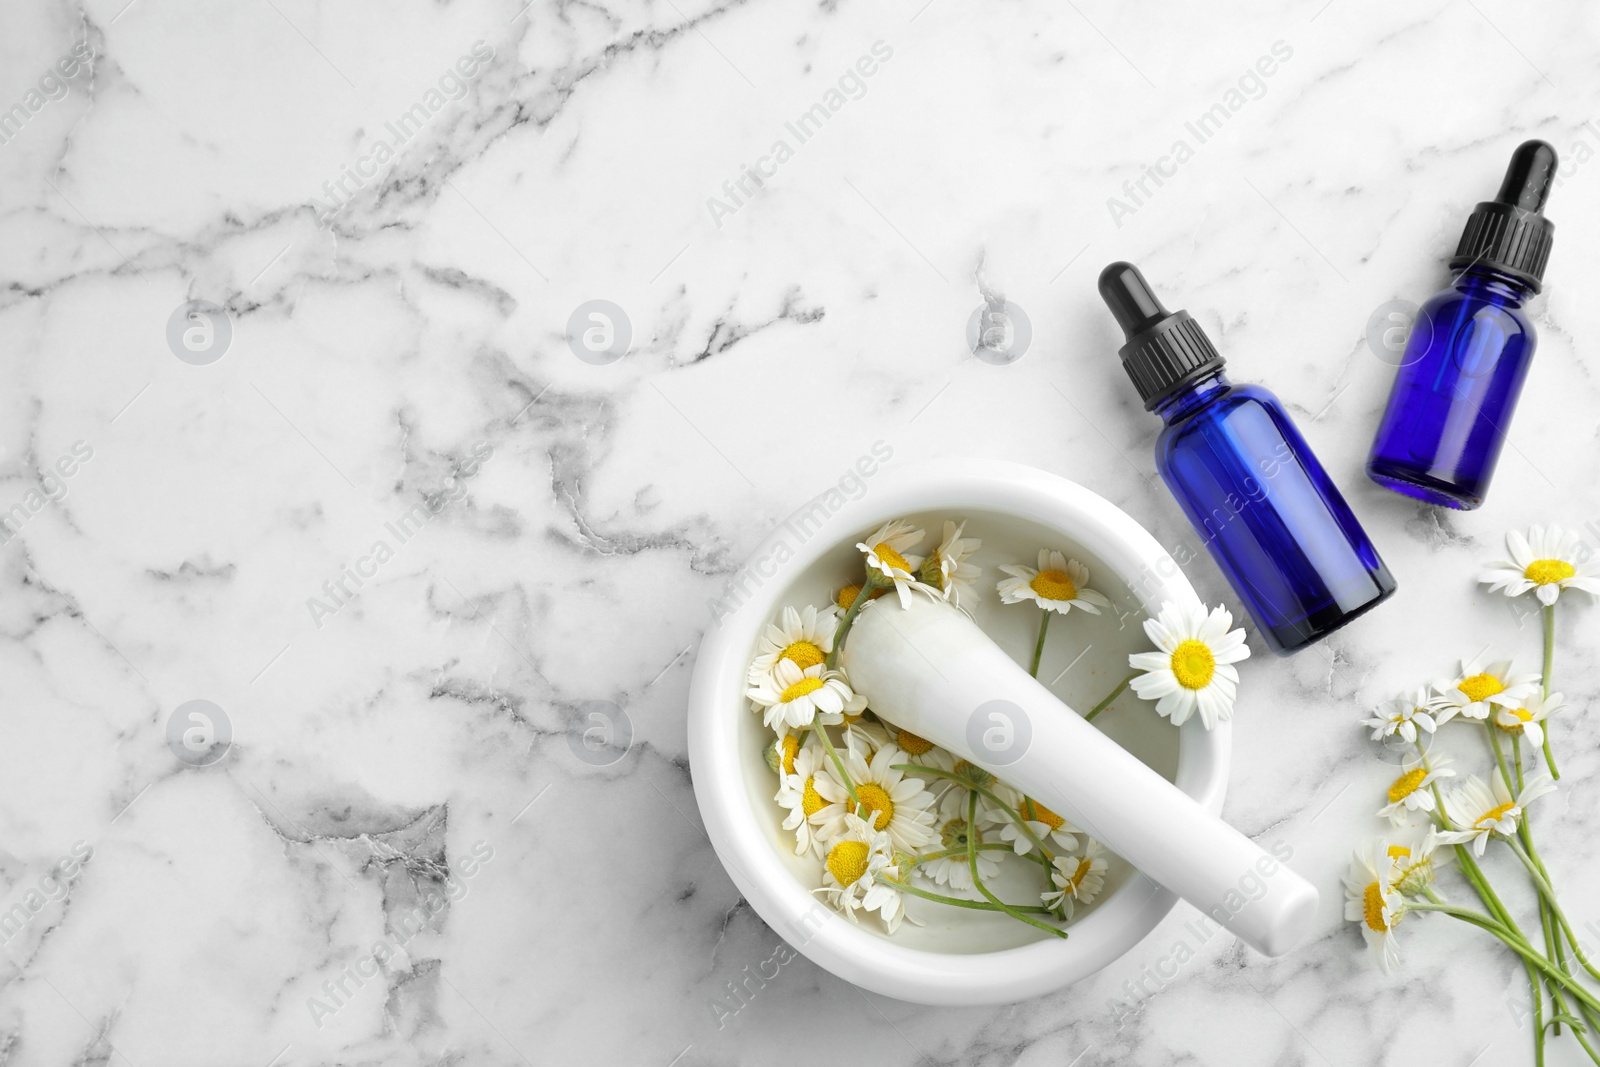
(1268, 513)
(1470, 348)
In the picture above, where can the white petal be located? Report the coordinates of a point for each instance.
(1521, 553)
(1095, 597)
(1155, 684)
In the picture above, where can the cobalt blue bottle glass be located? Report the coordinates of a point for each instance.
(1267, 511)
(1470, 348)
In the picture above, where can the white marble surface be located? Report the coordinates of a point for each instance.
(431, 715)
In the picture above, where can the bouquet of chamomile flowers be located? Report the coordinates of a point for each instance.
(1441, 815)
(887, 814)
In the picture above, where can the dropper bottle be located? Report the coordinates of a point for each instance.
(1267, 511)
(1470, 348)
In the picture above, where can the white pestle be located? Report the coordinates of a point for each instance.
(929, 669)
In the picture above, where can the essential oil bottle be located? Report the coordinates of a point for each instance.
(1470, 348)
(1272, 519)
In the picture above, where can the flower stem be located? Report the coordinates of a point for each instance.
(1499, 756)
(1577, 1033)
(972, 864)
(1536, 993)
(1549, 661)
(863, 597)
(1041, 854)
(969, 784)
(1547, 924)
(1038, 645)
(1541, 881)
(1549, 613)
(838, 765)
(1555, 920)
(1518, 945)
(975, 905)
(1464, 859)
(1114, 694)
(1474, 874)
(951, 853)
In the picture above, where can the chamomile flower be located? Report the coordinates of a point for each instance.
(796, 697)
(1372, 900)
(954, 832)
(865, 733)
(1527, 720)
(970, 777)
(1046, 825)
(1412, 856)
(1404, 715)
(1545, 560)
(797, 795)
(924, 753)
(946, 568)
(1480, 809)
(858, 860)
(847, 595)
(1058, 584)
(780, 754)
(887, 559)
(1193, 671)
(895, 803)
(1078, 879)
(1479, 687)
(804, 637)
(1413, 790)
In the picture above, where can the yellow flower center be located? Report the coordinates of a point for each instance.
(847, 596)
(1193, 664)
(914, 745)
(1481, 687)
(1371, 906)
(800, 689)
(1054, 585)
(803, 654)
(1406, 784)
(889, 557)
(1549, 571)
(848, 861)
(1522, 715)
(880, 809)
(1399, 852)
(1494, 815)
(1034, 811)
(811, 801)
(790, 748)
(1077, 876)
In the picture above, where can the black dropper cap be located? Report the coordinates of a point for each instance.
(1165, 351)
(1510, 233)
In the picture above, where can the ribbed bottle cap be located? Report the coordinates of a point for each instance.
(1164, 351)
(1510, 233)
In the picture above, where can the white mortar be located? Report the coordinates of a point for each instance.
(961, 956)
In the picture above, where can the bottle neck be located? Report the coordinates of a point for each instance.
(1488, 283)
(1193, 396)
